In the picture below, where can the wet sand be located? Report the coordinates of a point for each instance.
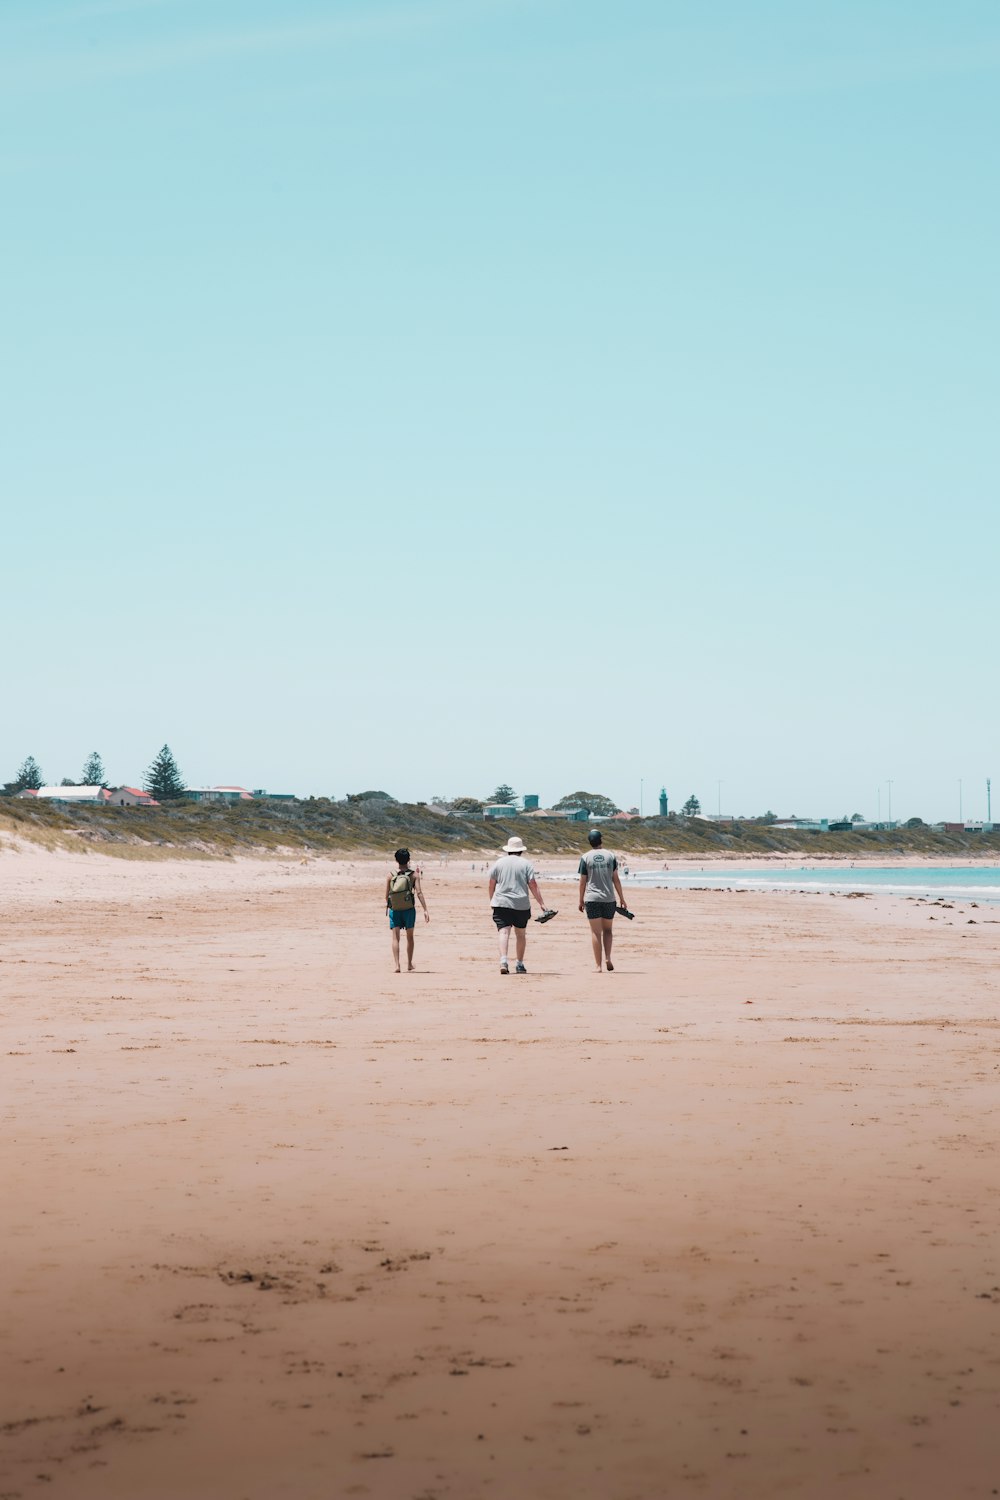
(281, 1223)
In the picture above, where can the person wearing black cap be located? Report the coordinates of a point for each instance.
(599, 884)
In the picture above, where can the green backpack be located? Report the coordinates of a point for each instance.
(401, 890)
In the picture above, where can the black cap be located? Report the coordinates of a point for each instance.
(594, 837)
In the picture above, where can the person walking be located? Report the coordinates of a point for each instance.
(512, 884)
(403, 889)
(599, 883)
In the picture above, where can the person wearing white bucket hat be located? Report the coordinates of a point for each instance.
(512, 884)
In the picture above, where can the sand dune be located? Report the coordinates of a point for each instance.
(282, 1223)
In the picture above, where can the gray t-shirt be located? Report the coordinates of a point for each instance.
(599, 865)
(512, 874)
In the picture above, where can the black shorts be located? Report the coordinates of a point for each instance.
(510, 916)
(603, 909)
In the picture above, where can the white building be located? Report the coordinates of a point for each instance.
(73, 794)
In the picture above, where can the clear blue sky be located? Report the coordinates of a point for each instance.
(419, 395)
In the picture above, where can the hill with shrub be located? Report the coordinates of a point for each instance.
(376, 826)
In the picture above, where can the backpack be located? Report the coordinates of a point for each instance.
(401, 885)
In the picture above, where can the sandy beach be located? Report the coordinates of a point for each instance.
(280, 1223)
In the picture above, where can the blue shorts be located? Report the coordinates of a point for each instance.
(405, 918)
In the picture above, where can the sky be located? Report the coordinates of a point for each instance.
(424, 394)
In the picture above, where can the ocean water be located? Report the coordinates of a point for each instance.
(955, 882)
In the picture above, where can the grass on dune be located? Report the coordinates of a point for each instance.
(205, 830)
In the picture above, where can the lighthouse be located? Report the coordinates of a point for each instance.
(663, 802)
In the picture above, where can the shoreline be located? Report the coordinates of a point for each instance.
(21, 846)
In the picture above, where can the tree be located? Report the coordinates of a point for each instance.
(68, 781)
(29, 777)
(857, 817)
(692, 807)
(594, 802)
(466, 805)
(914, 823)
(163, 779)
(769, 817)
(93, 773)
(370, 796)
(503, 793)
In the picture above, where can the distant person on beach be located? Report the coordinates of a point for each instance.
(512, 884)
(599, 883)
(402, 892)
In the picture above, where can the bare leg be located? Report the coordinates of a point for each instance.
(608, 925)
(394, 934)
(503, 938)
(520, 941)
(409, 948)
(595, 937)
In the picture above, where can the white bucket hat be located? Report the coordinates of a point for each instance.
(514, 845)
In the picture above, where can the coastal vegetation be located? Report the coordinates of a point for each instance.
(371, 826)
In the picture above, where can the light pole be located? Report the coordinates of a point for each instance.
(641, 785)
(878, 803)
(960, 818)
(718, 805)
(989, 804)
(889, 785)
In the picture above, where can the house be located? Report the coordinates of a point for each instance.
(71, 795)
(28, 791)
(228, 794)
(259, 794)
(499, 810)
(570, 814)
(131, 796)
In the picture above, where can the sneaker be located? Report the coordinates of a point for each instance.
(520, 969)
(504, 968)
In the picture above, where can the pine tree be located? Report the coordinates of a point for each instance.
(692, 807)
(163, 779)
(93, 771)
(504, 794)
(29, 777)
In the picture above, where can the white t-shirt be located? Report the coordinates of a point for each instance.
(513, 875)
